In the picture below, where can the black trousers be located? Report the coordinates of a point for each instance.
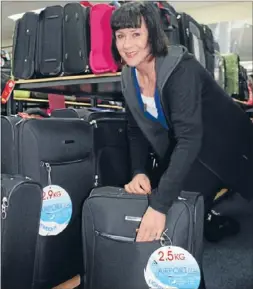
(201, 179)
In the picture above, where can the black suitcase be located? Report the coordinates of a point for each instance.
(169, 22)
(243, 84)
(76, 39)
(21, 207)
(109, 222)
(50, 42)
(55, 152)
(210, 62)
(24, 46)
(9, 158)
(209, 48)
(191, 35)
(208, 38)
(111, 160)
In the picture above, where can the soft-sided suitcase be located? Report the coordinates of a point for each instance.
(56, 153)
(20, 210)
(232, 62)
(191, 35)
(50, 42)
(9, 160)
(110, 155)
(76, 39)
(208, 40)
(220, 70)
(169, 22)
(101, 59)
(110, 218)
(243, 84)
(24, 46)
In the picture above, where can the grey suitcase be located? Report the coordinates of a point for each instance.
(112, 257)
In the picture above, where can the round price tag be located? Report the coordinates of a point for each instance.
(172, 267)
(56, 211)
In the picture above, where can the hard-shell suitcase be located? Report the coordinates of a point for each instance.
(101, 59)
(110, 155)
(191, 35)
(76, 39)
(56, 153)
(24, 46)
(21, 200)
(110, 218)
(50, 42)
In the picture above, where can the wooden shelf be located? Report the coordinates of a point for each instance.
(64, 84)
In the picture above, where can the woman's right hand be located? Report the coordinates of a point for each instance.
(140, 184)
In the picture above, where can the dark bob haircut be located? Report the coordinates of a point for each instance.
(129, 15)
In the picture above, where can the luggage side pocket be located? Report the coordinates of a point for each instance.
(114, 250)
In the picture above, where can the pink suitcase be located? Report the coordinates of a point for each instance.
(101, 60)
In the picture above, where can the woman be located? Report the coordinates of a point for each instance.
(202, 139)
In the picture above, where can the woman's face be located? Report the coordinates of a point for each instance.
(132, 44)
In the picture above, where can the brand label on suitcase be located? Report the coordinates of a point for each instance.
(172, 267)
(56, 211)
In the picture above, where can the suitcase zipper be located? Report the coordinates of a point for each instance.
(48, 167)
(115, 237)
(190, 246)
(5, 204)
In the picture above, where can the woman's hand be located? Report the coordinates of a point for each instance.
(152, 226)
(140, 184)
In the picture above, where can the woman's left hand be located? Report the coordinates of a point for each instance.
(152, 226)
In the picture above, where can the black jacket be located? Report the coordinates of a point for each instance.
(204, 124)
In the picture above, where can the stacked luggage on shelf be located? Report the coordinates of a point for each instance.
(60, 41)
(76, 39)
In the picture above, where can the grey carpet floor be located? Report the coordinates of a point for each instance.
(229, 264)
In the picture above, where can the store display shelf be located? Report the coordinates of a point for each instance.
(72, 103)
(59, 84)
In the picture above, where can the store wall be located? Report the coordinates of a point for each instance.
(226, 11)
(231, 23)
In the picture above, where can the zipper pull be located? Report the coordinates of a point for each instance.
(4, 207)
(87, 69)
(48, 168)
(96, 181)
(187, 32)
(94, 122)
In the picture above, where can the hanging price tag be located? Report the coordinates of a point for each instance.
(56, 211)
(9, 87)
(172, 267)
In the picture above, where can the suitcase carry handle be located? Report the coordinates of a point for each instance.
(86, 4)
